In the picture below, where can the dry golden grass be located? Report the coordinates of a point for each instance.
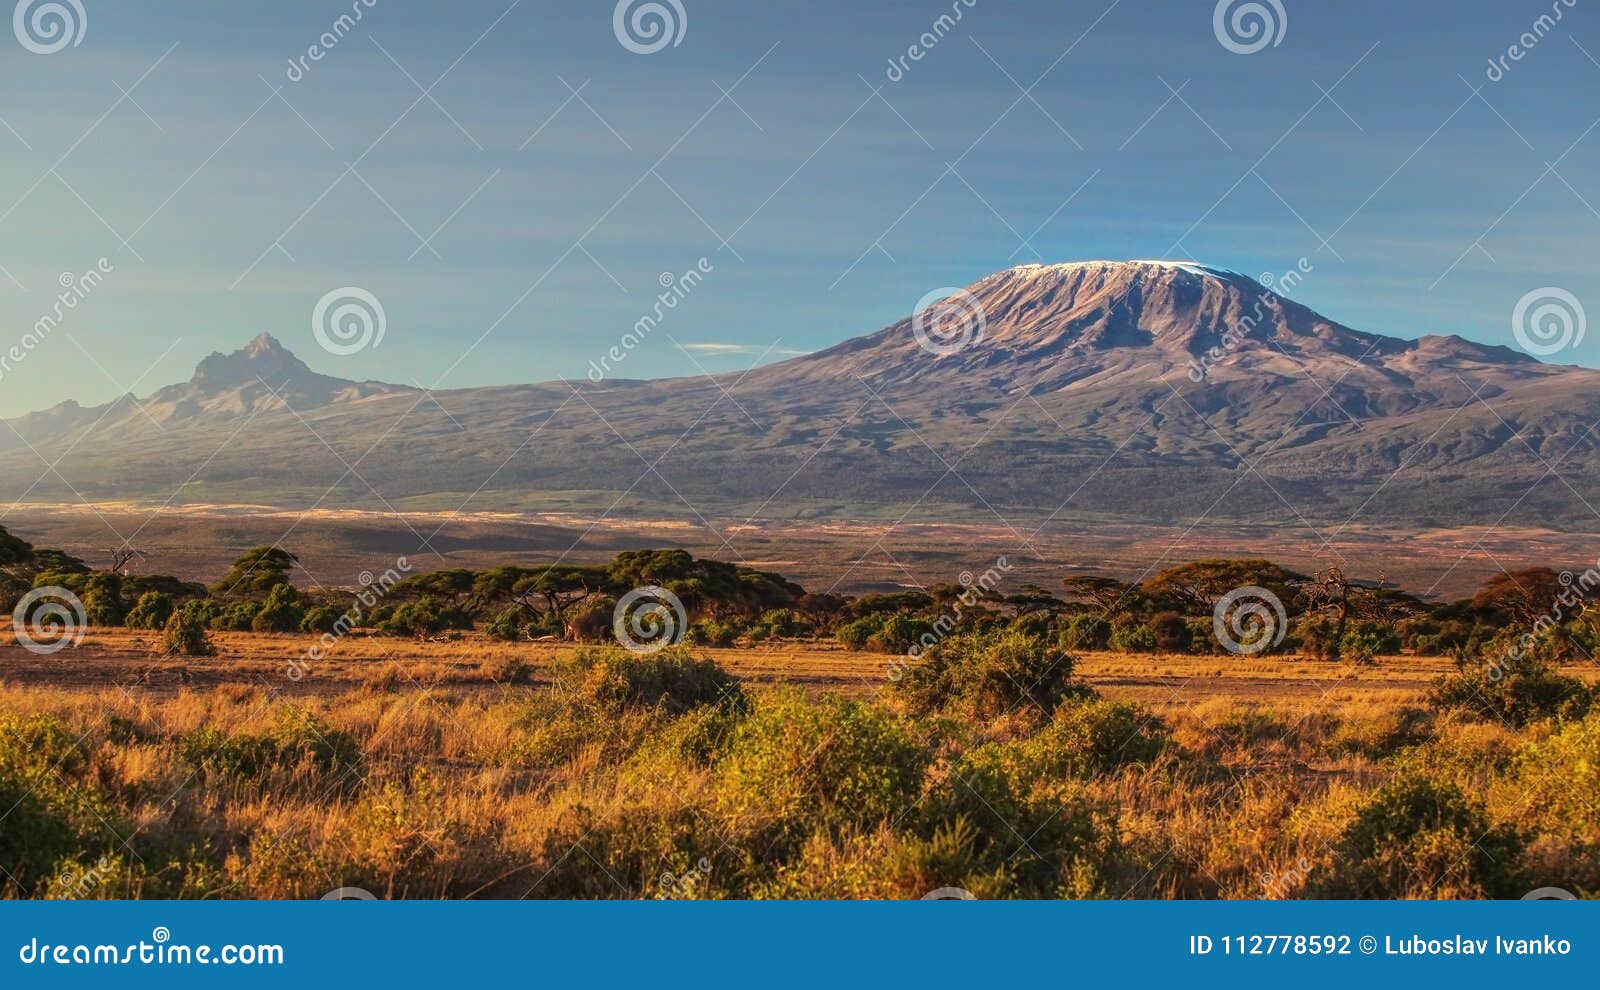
(467, 774)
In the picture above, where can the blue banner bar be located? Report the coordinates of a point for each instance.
(956, 943)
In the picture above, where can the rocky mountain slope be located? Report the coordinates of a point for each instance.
(1143, 391)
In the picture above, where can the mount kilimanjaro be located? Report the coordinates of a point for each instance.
(1072, 396)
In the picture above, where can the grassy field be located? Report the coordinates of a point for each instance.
(472, 768)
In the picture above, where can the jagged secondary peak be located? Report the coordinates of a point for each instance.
(264, 359)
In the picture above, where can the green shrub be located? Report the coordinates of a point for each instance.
(1040, 828)
(1171, 632)
(45, 819)
(984, 675)
(857, 633)
(1419, 837)
(282, 612)
(1318, 636)
(1364, 641)
(234, 616)
(781, 623)
(185, 633)
(151, 612)
(899, 633)
(1129, 635)
(427, 616)
(322, 619)
(101, 609)
(298, 739)
(793, 766)
(1514, 692)
(673, 679)
(1086, 632)
(713, 632)
(1203, 638)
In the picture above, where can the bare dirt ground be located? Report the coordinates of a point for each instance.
(335, 545)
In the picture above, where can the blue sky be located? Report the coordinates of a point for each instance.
(824, 211)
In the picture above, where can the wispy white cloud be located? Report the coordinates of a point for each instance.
(722, 349)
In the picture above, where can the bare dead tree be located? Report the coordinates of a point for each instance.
(122, 556)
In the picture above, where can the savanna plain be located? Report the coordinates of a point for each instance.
(501, 734)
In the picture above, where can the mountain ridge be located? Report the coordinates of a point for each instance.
(1057, 390)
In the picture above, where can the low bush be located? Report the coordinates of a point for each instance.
(673, 679)
(1421, 837)
(1085, 632)
(185, 633)
(151, 612)
(1513, 692)
(985, 675)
